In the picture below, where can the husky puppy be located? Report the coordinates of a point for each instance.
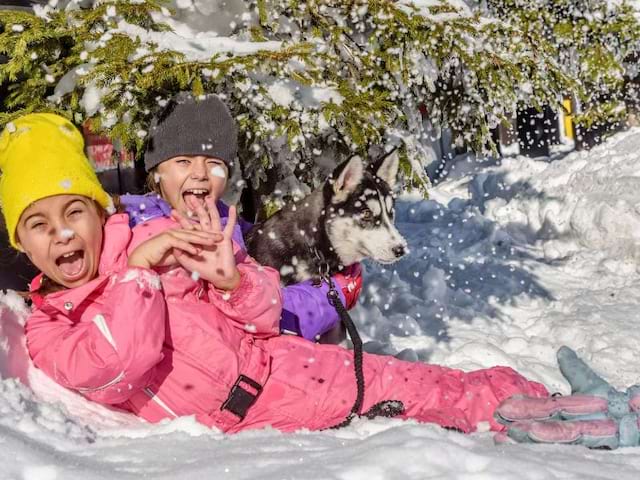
(346, 220)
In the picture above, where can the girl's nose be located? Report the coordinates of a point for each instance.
(199, 170)
(63, 234)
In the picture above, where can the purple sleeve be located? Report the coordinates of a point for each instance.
(244, 226)
(306, 311)
(141, 208)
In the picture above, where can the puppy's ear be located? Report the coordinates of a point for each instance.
(348, 179)
(387, 168)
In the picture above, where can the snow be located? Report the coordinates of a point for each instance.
(195, 46)
(67, 233)
(514, 258)
(219, 172)
(91, 99)
(65, 85)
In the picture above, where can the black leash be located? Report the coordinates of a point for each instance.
(385, 408)
(334, 299)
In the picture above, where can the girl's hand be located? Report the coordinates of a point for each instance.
(162, 250)
(215, 263)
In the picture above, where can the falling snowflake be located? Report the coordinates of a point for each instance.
(67, 233)
(286, 270)
(219, 172)
(111, 209)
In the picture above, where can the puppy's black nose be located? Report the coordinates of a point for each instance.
(399, 251)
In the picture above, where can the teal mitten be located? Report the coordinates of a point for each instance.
(595, 415)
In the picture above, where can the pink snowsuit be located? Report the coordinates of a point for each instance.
(162, 344)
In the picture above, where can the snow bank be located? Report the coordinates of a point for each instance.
(508, 261)
(511, 260)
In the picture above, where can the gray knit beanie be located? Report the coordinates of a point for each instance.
(188, 126)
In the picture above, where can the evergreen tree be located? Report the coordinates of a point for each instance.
(595, 42)
(310, 83)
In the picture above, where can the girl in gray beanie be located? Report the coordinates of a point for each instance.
(189, 157)
(188, 126)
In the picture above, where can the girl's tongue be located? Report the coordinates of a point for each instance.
(194, 197)
(71, 264)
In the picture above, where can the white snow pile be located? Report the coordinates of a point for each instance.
(508, 261)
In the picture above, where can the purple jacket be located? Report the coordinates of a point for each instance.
(305, 309)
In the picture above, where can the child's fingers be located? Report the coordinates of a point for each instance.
(184, 222)
(214, 216)
(203, 216)
(195, 207)
(231, 221)
(180, 244)
(197, 236)
(192, 242)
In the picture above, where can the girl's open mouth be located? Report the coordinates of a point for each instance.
(196, 194)
(71, 264)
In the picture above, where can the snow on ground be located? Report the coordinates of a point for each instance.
(509, 260)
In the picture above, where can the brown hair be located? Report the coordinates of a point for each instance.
(150, 184)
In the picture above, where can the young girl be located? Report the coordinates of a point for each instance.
(190, 155)
(126, 324)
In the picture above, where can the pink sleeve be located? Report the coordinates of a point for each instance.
(256, 304)
(112, 356)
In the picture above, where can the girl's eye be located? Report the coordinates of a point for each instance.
(75, 212)
(182, 161)
(36, 225)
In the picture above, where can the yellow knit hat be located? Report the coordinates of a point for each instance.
(41, 155)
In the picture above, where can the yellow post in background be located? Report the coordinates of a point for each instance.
(568, 118)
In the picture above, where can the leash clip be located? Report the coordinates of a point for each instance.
(323, 266)
(323, 271)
